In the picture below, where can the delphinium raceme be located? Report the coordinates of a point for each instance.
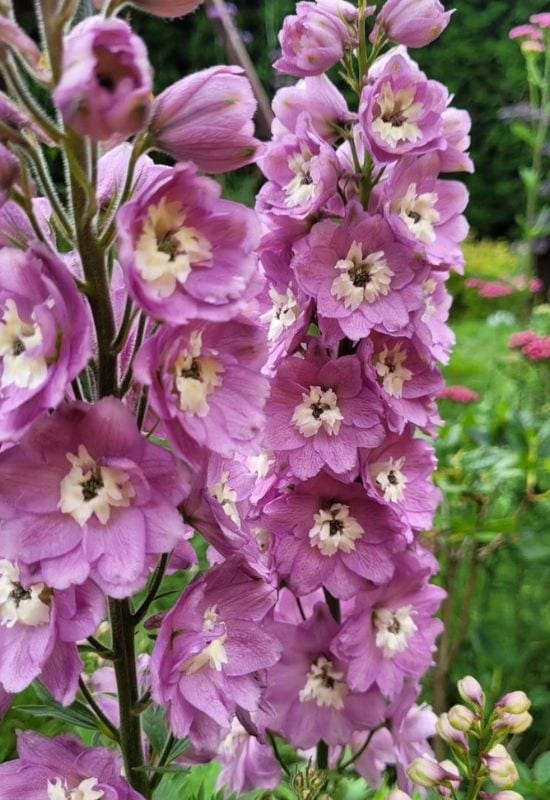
(178, 370)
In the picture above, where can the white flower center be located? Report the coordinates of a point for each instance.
(419, 214)
(428, 287)
(284, 313)
(167, 248)
(362, 278)
(89, 489)
(226, 497)
(301, 188)
(389, 367)
(324, 685)
(397, 117)
(196, 377)
(393, 629)
(319, 409)
(335, 530)
(390, 479)
(262, 463)
(84, 791)
(17, 340)
(214, 653)
(263, 538)
(20, 605)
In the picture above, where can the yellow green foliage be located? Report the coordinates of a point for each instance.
(491, 260)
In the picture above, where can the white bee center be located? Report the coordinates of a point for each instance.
(196, 377)
(90, 489)
(396, 120)
(419, 214)
(262, 463)
(390, 480)
(17, 341)
(393, 629)
(168, 249)
(318, 409)
(214, 654)
(362, 278)
(284, 313)
(226, 497)
(335, 530)
(324, 685)
(300, 189)
(84, 791)
(19, 605)
(389, 367)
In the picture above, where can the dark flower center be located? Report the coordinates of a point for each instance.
(391, 478)
(18, 347)
(360, 274)
(395, 118)
(394, 626)
(19, 593)
(318, 408)
(335, 527)
(415, 216)
(169, 245)
(91, 487)
(194, 371)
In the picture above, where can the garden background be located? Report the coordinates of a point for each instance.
(492, 533)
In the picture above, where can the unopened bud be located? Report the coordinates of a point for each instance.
(514, 703)
(450, 734)
(502, 769)
(427, 772)
(513, 723)
(397, 794)
(507, 794)
(470, 690)
(461, 718)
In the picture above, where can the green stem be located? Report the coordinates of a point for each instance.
(156, 581)
(22, 94)
(110, 729)
(322, 755)
(125, 670)
(276, 753)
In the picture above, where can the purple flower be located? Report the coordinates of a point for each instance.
(308, 695)
(399, 473)
(302, 172)
(207, 118)
(456, 131)
(44, 335)
(9, 172)
(407, 379)
(167, 8)
(186, 253)
(112, 169)
(39, 628)
(319, 413)
(431, 327)
(360, 276)
(414, 23)
(12, 37)
(425, 212)
(401, 113)
(210, 649)
(319, 97)
(84, 494)
(61, 768)
(315, 39)
(391, 634)
(15, 227)
(205, 385)
(105, 88)
(331, 534)
(247, 762)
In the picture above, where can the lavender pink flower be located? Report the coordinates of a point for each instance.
(167, 8)
(85, 495)
(207, 118)
(414, 23)
(45, 335)
(106, 83)
(247, 763)
(211, 650)
(318, 97)
(186, 253)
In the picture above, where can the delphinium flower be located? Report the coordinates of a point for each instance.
(63, 769)
(84, 494)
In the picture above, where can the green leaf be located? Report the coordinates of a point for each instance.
(529, 177)
(541, 769)
(77, 714)
(523, 132)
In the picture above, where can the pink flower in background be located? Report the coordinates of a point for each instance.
(63, 767)
(186, 253)
(308, 695)
(521, 338)
(458, 394)
(414, 23)
(211, 648)
(205, 385)
(401, 112)
(542, 20)
(84, 494)
(207, 118)
(525, 32)
(45, 335)
(320, 412)
(106, 84)
(332, 534)
(167, 8)
(537, 349)
(494, 289)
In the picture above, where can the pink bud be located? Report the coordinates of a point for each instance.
(513, 723)
(397, 794)
(167, 8)
(461, 718)
(502, 769)
(525, 32)
(15, 38)
(449, 733)
(414, 23)
(9, 171)
(514, 703)
(507, 794)
(543, 20)
(427, 773)
(470, 690)
(207, 118)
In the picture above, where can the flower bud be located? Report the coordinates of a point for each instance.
(426, 772)
(513, 723)
(507, 794)
(461, 718)
(449, 733)
(9, 171)
(105, 88)
(167, 8)
(414, 23)
(397, 794)
(207, 118)
(502, 769)
(470, 690)
(514, 703)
